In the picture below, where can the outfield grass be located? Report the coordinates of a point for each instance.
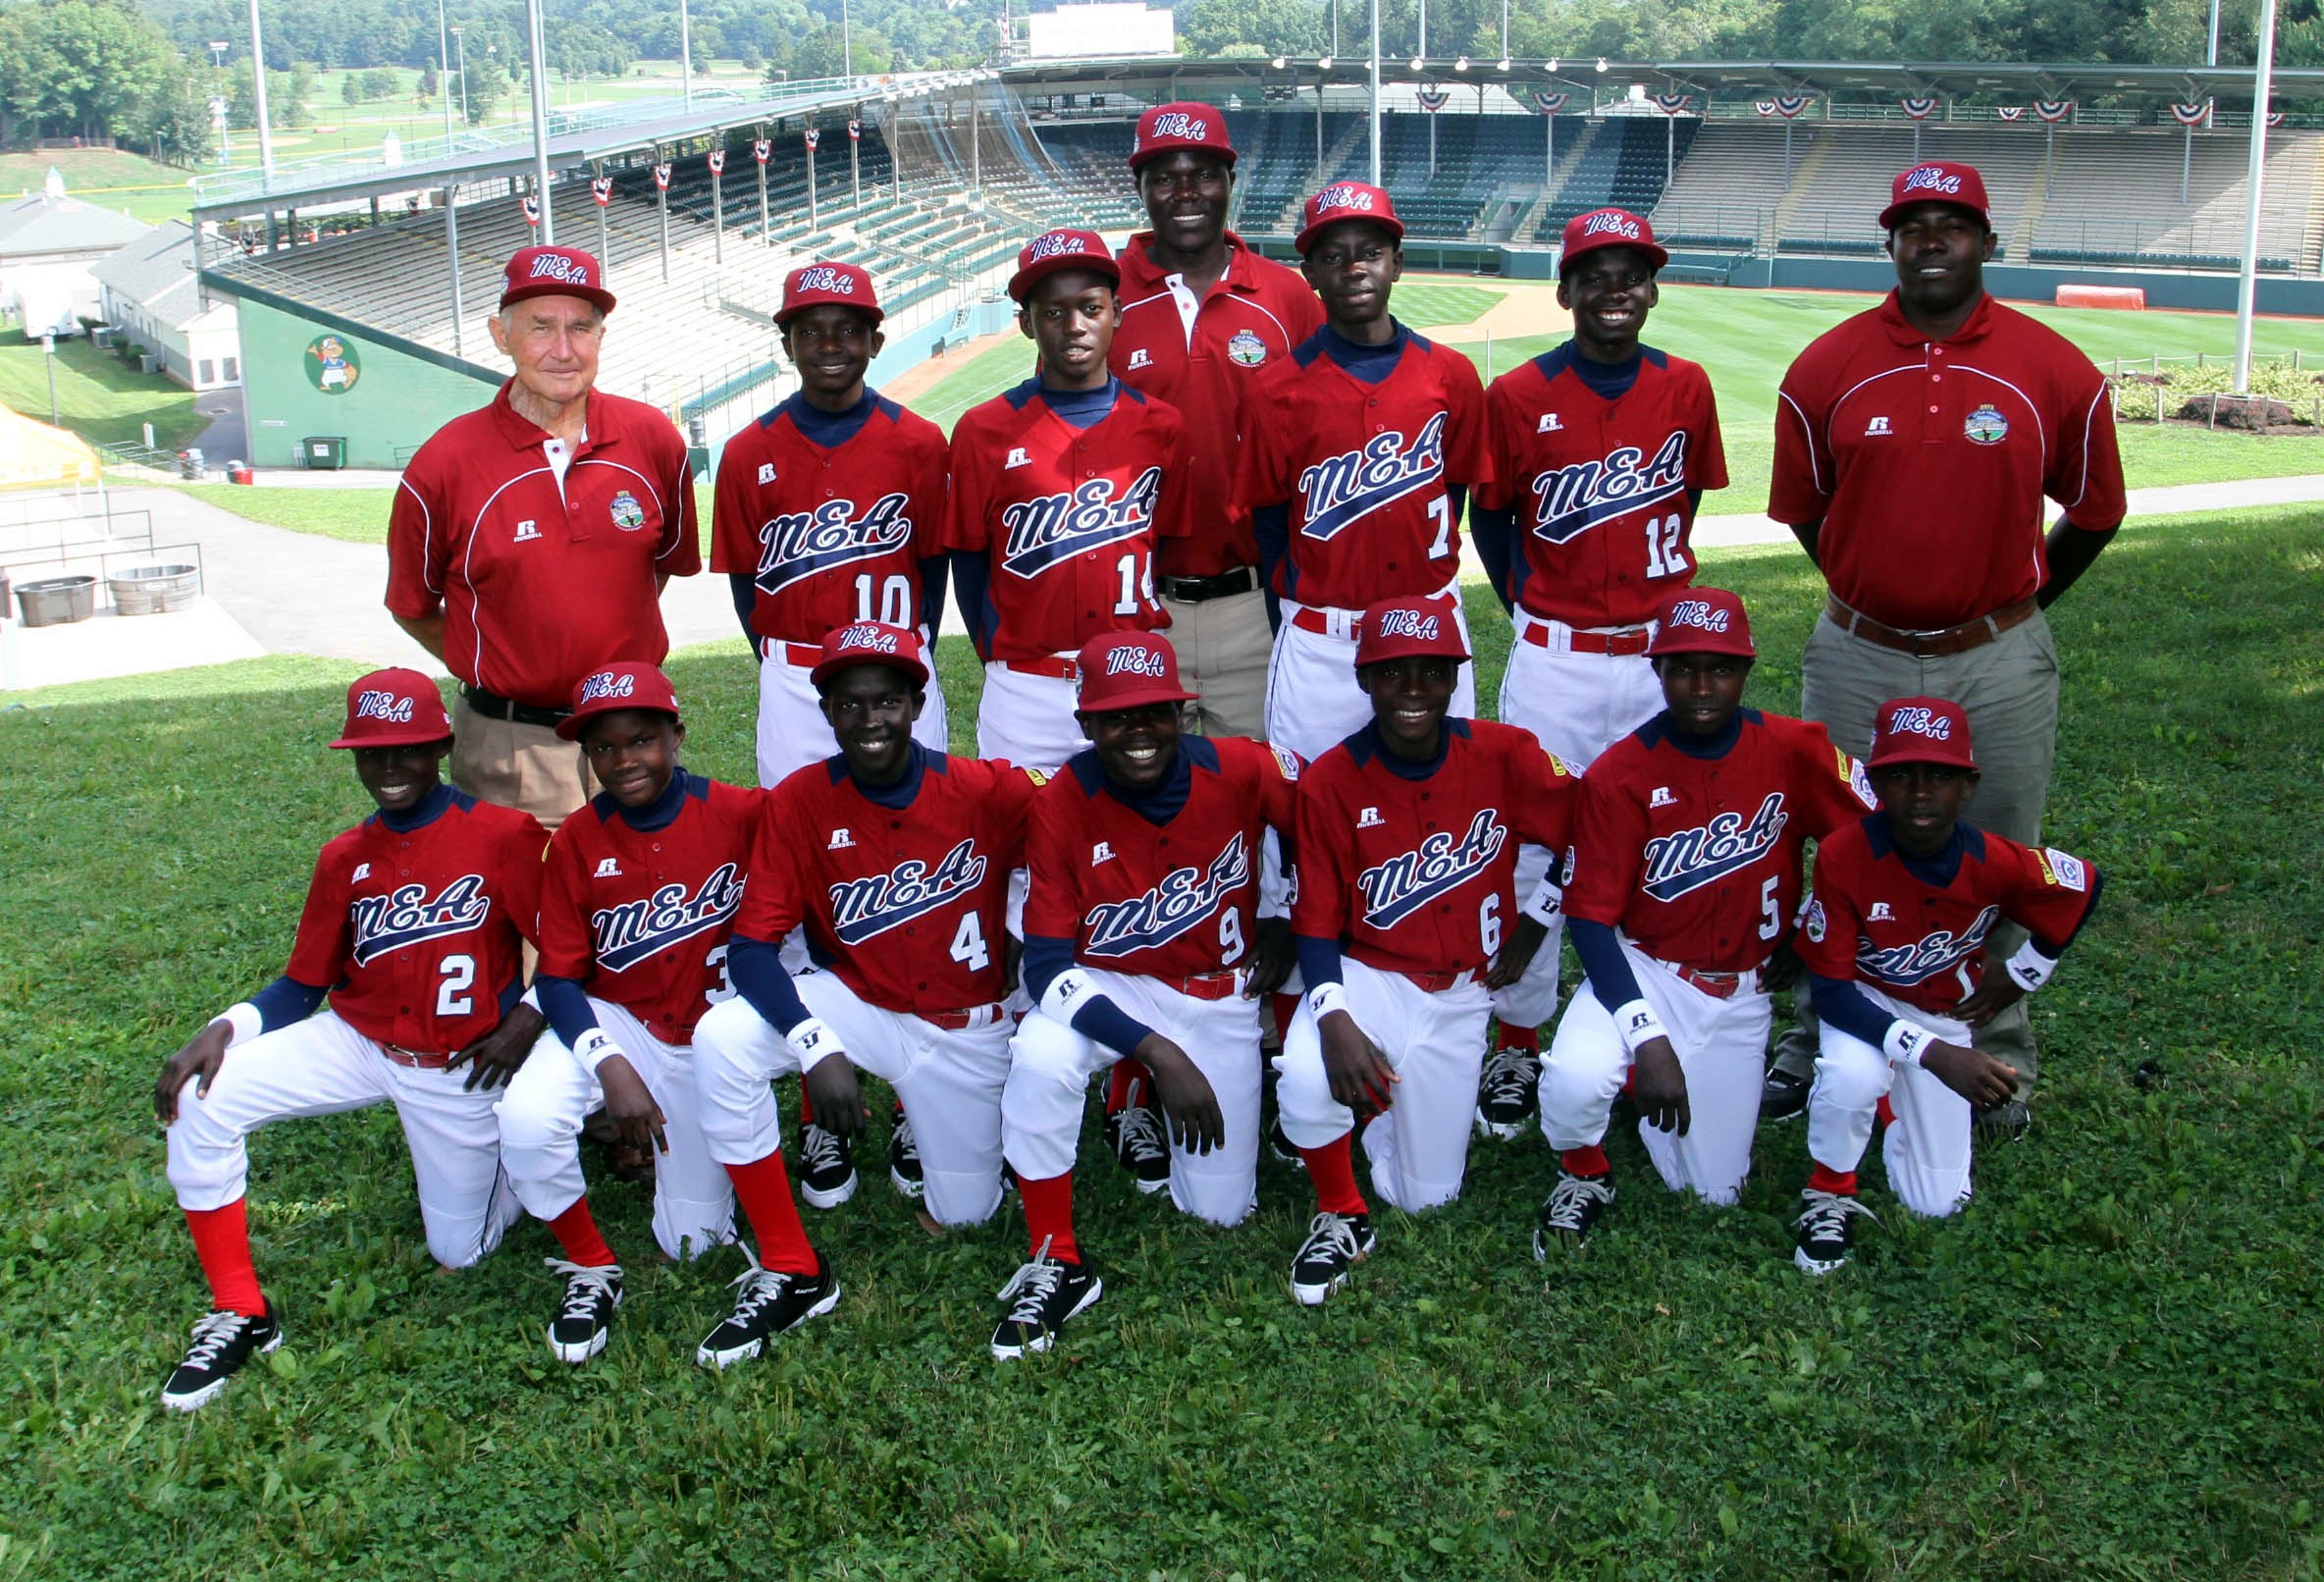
(111, 179)
(99, 396)
(2107, 1368)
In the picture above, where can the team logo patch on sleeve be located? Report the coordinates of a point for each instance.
(1286, 761)
(1858, 781)
(1985, 426)
(2062, 870)
(628, 514)
(1815, 922)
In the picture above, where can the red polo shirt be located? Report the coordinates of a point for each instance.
(1927, 462)
(539, 584)
(1203, 358)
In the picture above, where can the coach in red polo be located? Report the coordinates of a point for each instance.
(530, 540)
(1201, 314)
(1914, 445)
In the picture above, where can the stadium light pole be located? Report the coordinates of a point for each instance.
(459, 41)
(266, 136)
(1375, 90)
(536, 62)
(444, 69)
(686, 52)
(847, 41)
(2247, 287)
(2211, 49)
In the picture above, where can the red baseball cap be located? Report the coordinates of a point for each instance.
(1406, 628)
(1921, 730)
(869, 642)
(1168, 127)
(813, 284)
(555, 271)
(1702, 620)
(1609, 227)
(1347, 200)
(612, 687)
(1939, 180)
(394, 707)
(1128, 671)
(1053, 251)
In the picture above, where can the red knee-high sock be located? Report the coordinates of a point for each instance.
(1332, 1168)
(1117, 1087)
(1586, 1162)
(576, 1231)
(1286, 1006)
(1508, 1037)
(222, 1241)
(1049, 1215)
(1883, 1113)
(764, 1188)
(1840, 1182)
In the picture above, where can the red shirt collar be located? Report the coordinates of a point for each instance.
(524, 434)
(1138, 261)
(1978, 323)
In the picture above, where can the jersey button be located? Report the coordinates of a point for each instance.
(1933, 411)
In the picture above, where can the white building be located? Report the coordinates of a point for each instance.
(149, 293)
(47, 243)
(1105, 28)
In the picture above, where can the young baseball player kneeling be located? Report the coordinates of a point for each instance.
(1680, 888)
(1895, 935)
(896, 861)
(1142, 938)
(636, 904)
(415, 926)
(1407, 836)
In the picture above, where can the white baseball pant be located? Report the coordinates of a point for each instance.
(1028, 719)
(1577, 706)
(792, 730)
(320, 1066)
(543, 1106)
(1721, 1045)
(1050, 1065)
(1313, 703)
(1418, 1149)
(1928, 1150)
(949, 1082)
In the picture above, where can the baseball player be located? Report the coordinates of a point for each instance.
(1680, 888)
(829, 511)
(1903, 903)
(1142, 939)
(1060, 490)
(636, 905)
(415, 926)
(1202, 315)
(1366, 442)
(1407, 836)
(896, 860)
(1602, 449)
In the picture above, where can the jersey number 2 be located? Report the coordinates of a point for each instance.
(452, 995)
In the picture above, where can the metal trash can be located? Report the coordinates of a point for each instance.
(328, 452)
(57, 601)
(153, 590)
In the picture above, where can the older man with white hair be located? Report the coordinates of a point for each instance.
(531, 539)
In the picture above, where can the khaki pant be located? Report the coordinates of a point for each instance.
(1222, 646)
(521, 767)
(2009, 688)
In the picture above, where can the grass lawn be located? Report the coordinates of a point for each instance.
(99, 396)
(111, 179)
(2106, 1367)
(357, 515)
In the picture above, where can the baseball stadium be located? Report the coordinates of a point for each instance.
(2104, 1364)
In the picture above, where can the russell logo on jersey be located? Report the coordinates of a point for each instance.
(802, 544)
(1569, 500)
(635, 930)
(1401, 885)
(409, 916)
(1183, 898)
(1343, 490)
(867, 908)
(1052, 529)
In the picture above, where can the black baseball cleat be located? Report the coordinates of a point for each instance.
(771, 1303)
(1280, 1144)
(903, 1159)
(1042, 1296)
(1335, 1244)
(826, 1174)
(1783, 1097)
(586, 1315)
(2005, 1122)
(222, 1343)
(1507, 1089)
(1828, 1230)
(1135, 1133)
(1573, 1208)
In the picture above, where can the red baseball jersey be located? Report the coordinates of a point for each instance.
(1414, 873)
(1697, 860)
(905, 897)
(1873, 919)
(541, 583)
(417, 933)
(1204, 357)
(830, 536)
(1603, 490)
(1173, 900)
(1366, 468)
(641, 917)
(1927, 462)
(1069, 517)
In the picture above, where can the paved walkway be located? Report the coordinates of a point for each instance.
(271, 590)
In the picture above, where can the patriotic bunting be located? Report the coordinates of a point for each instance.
(1920, 107)
(813, 137)
(1433, 99)
(1671, 104)
(762, 149)
(1549, 104)
(2053, 110)
(2011, 112)
(661, 176)
(717, 161)
(532, 210)
(602, 189)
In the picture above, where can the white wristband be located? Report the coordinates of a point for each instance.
(1905, 1043)
(242, 1020)
(1325, 998)
(813, 1043)
(1547, 901)
(2029, 968)
(1638, 1026)
(1065, 994)
(594, 1049)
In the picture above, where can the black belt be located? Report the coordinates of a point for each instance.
(1195, 590)
(493, 706)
